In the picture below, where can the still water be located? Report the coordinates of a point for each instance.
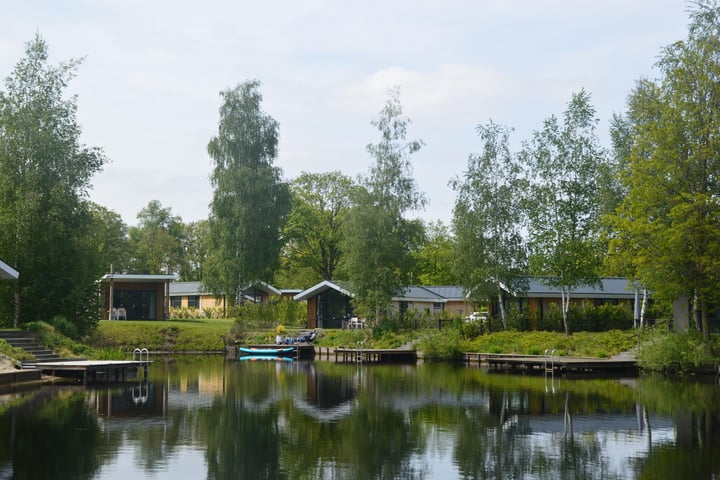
(205, 418)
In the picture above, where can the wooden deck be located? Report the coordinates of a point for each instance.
(374, 355)
(546, 364)
(95, 370)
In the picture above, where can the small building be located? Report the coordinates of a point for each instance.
(328, 304)
(539, 296)
(193, 295)
(126, 296)
(433, 300)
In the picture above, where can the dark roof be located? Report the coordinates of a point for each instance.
(321, 287)
(609, 287)
(450, 292)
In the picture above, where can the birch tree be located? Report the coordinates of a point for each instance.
(562, 161)
(251, 201)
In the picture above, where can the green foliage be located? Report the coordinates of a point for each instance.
(378, 239)
(250, 202)
(667, 352)
(581, 344)
(434, 257)
(666, 229)
(49, 336)
(186, 335)
(442, 345)
(321, 202)
(562, 204)
(13, 353)
(252, 316)
(46, 226)
(157, 243)
(488, 220)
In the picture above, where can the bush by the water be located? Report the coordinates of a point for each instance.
(442, 345)
(682, 352)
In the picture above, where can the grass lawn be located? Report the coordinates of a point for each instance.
(183, 335)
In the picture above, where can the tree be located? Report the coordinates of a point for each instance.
(158, 241)
(110, 238)
(668, 226)
(321, 202)
(45, 173)
(488, 221)
(434, 264)
(563, 208)
(378, 239)
(250, 202)
(197, 236)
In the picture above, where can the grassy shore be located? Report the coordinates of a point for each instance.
(206, 335)
(185, 335)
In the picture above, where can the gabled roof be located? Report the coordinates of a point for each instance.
(322, 287)
(609, 287)
(416, 293)
(411, 293)
(7, 272)
(449, 292)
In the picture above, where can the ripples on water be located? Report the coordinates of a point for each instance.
(209, 418)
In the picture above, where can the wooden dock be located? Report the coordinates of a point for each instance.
(374, 355)
(554, 364)
(95, 370)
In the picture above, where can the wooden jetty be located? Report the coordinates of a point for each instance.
(554, 364)
(95, 370)
(375, 355)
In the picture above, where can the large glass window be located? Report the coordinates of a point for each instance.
(139, 304)
(193, 301)
(176, 302)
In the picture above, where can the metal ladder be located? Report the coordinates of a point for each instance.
(552, 356)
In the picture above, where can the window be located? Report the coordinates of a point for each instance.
(193, 301)
(176, 302)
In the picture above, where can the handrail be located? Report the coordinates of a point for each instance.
(139, 352)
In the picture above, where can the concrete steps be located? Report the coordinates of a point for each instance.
(25, 341)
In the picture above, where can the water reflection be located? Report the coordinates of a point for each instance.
(205, 418)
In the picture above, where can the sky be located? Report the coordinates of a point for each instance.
(148, 88)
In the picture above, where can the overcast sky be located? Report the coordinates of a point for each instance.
(148, 87)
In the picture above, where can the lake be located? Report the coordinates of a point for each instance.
(206, 418)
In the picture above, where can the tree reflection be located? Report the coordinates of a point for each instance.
(51, 438)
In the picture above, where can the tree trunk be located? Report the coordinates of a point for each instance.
(16, 316)
(502, 310)
(565, 300)
(643, 307)
(705, 318)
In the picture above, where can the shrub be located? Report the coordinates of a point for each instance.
(684, 352)
(442, 345)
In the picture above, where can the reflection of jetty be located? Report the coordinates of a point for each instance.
(374, 355)
(554, 363)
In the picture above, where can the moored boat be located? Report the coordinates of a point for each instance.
(267, 351)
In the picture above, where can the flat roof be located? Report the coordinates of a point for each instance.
(7, 272)
(132, 277)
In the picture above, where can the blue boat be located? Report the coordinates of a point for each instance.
(267, 351)
(265, 358)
